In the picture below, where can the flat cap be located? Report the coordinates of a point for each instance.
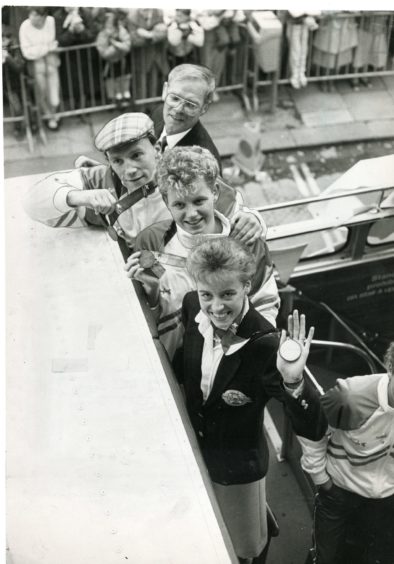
(126, 127)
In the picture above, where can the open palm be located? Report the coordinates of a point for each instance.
(292, 371)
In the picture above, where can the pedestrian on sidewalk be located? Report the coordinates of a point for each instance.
(372, 50)
(298, 26)
(184, 35)
(113, 44)
(13, 66)
(333, 44)
(37, 38)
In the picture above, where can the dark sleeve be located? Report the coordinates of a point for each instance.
(177, 362)
(152, 238)
(306, 413)
(198, 135)
(15, 59)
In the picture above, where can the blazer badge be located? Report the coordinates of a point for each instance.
(235, 397)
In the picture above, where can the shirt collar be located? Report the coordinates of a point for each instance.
(189, 240)
(206, 329)
(172, 140)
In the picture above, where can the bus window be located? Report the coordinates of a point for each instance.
(381, 232)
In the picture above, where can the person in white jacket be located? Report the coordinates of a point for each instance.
(183, 35)
(353, 467)
(37, 38)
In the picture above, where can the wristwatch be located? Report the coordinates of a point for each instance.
(290, 350)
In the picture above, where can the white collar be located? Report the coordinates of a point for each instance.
(206, 329)
(172, 140)
(189, 241)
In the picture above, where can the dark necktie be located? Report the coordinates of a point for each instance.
(163, 143)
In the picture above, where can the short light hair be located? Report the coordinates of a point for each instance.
(389, 359)
(180, 167)
(216, 257)
(195, 72)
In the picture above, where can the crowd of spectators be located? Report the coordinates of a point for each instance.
(172, 37)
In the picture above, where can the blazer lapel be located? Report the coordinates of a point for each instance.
(251, 326)
(227, 369)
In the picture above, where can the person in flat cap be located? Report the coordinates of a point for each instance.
(121, 195)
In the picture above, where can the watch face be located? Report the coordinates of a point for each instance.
(290, 350)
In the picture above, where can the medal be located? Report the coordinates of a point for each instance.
(290, 350)
(150, 264)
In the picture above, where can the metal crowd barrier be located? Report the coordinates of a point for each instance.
(16, 104)
(347, 45)
(86, 89)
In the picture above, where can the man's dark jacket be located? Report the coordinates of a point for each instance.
(198, 135)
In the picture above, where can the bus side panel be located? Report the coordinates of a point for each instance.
(362, 295)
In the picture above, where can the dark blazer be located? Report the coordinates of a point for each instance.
(198, 135)
(231, 437)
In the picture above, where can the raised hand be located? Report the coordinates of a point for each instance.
(292, 370)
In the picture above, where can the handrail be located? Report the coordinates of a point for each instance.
(316, 199)
(314, 381)
(353, 334)
(347, 346)
(316, 225)
(343, 324)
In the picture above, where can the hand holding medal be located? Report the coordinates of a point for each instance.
(143, 266)
(294, 349)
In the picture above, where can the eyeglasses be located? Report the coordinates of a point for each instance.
(190, 108)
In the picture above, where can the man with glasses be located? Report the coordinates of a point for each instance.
(187, 96)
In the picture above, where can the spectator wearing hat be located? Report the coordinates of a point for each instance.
(121, 193)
